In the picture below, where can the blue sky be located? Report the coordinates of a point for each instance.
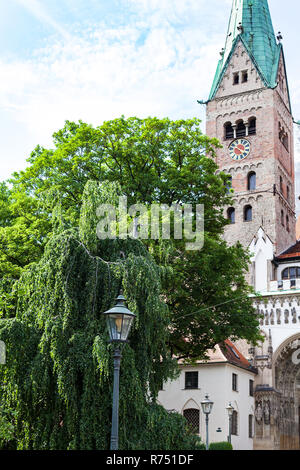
(97, 59)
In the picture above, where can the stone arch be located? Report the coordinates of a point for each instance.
(190, 404)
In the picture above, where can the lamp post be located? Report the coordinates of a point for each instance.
(207, 405)
(119, 321)
(230, 411)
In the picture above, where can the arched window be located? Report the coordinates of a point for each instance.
(252, 126)
(231, 215)
(282, 218)
(192, 415)
(291, 273)
(229, 134)
(248, 214)
(241, 129)
(251, 181)
(287, 224)
(288, 192)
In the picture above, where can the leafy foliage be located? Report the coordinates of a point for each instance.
(220, 446)
(58, 376)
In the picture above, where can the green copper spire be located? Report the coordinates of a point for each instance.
(250, 22)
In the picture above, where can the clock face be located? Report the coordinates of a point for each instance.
(239, 149)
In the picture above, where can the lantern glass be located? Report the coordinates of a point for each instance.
(230, 409)
(119, 326)
(207, 405)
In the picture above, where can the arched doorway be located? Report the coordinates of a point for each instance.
(286, 370)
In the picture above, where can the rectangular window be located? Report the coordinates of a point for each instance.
(234, 382)
(244, 76)
(251, 426)
(236, 78)
(191, 380)
(234, 424)
(251, 388)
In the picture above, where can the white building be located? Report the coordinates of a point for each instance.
(227, 378)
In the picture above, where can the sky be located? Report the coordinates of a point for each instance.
(96, 60)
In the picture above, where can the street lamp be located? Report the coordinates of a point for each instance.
(230, 411)
(207, 405)
(119, 321)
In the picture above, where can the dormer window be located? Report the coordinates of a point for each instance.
(236, 78)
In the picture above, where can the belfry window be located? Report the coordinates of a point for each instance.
(291, 273)
(248, 214)
(252, 126)
(251, 181)
(229, 134)
(231, 215)
(241, 129)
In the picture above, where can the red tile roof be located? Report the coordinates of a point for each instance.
(233, 355)
(292, 252)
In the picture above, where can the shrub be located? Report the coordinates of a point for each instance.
(220, 446)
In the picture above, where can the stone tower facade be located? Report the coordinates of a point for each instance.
(249, 111)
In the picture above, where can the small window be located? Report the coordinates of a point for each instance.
(288, 192)
(252, 126)
(251, 388)
(241, 129)
(236, 78)
(245, 76)
(234, 382)
(248, 214)
(229, 133)
(282, 218)
(251, 426)
(285, 141)
(287, 223)
(231, 215)
(252, 181)
(192, 415)
(234, 424)
(191, 380)
(281, 184)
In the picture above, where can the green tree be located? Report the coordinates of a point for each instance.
(58, 375)
(154, 161)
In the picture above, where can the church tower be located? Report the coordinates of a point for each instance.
(249, 111)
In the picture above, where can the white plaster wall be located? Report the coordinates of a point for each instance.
(216, 380)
